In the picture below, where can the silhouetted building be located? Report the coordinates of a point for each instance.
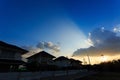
(62, 61)
(10, 56)
(42, 57)
(75, 63)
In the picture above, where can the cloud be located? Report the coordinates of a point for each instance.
(43, 46)
(116, 28)
(54, 48)
(32, 50)
(28, 47)
(104, 42)
(48, 45)
(40, 45)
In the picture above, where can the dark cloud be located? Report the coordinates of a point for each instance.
(54, 48)
(104, 42)
(31, 49)
(43, 46)
(28, 47)
(40, 45)
(48, 45)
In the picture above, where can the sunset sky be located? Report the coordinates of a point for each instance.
(63, 27)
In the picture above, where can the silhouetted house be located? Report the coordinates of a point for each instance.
(75, 63)
(62, 61)
(42, 58)
(10, 56)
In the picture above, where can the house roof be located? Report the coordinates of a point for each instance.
(61, 58)
(7, 46)
(42, 54)
(76, 61)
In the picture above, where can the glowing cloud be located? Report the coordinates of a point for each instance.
(105, 42)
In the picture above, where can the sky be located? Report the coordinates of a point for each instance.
(60, 26)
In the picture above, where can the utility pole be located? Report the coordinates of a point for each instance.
(84, 61)
(88, 59)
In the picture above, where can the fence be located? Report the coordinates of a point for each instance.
(34, 75)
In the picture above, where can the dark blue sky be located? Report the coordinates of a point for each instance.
(26, 22)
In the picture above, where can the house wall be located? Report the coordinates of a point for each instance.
(46, 60)
(32, 59)
(8, 54)
(75, 64)
(41, 60)
(17, 56)
(63, 63)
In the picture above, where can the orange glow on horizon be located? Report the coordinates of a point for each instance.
(98, 59)
(104, 58)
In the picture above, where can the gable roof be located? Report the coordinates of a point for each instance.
(7, 46)
(61, 58)
(42, 54)
(76, 61)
